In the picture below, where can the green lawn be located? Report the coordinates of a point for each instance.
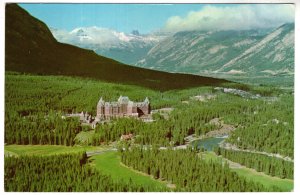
(47, 149)
(268, 181)
(109, 163)
(210, 156)
(250, 174)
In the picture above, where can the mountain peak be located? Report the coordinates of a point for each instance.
(135, 32)
(287, 26)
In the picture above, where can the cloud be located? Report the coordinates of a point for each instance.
(237, 17)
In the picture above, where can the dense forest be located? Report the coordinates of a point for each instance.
(260, 124)
(35, 104)
(61, 173)
(188, 171)
(40, 129)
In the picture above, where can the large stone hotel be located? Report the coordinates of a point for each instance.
(123, 107)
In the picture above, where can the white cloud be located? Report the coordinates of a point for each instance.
(238, 17)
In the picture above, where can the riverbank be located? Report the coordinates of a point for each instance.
(223, 131)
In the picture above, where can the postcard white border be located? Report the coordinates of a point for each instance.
(296, 83)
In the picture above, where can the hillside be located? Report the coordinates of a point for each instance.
(31, 48)
(248, 53)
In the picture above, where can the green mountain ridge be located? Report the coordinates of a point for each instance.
(30, 47)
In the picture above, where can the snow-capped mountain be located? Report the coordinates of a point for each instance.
(127, 48)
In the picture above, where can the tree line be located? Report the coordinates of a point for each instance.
(188, 171)
(262, 163)
(61, 173)
(40, 129)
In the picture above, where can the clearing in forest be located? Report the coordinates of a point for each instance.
(110, 163)
(47, 149)
(284, 184)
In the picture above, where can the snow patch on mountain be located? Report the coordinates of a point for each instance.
(269, 72)
(278, 57)
(200, 38)
(289, 38)
(243, 42)
(235, 72)
(124, 47)
(216, 48)
(276, 72)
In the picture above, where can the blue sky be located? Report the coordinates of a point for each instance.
(148, 18)
(122, 17)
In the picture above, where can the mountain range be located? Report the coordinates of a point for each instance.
(31, 48)
(126, 48)
(248, 52)
(223, 53)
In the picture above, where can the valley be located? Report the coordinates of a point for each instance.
(76, 121)
(163, 132)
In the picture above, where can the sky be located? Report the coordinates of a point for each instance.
(122, 17)
(148, 18)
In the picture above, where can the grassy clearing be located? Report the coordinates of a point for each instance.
(47, 149)
(268, 181)
(210, 156)
(84, 137)
(109, 163)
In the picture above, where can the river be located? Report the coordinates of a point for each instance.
(207, 143)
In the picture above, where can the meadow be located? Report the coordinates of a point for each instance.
(110, 164)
